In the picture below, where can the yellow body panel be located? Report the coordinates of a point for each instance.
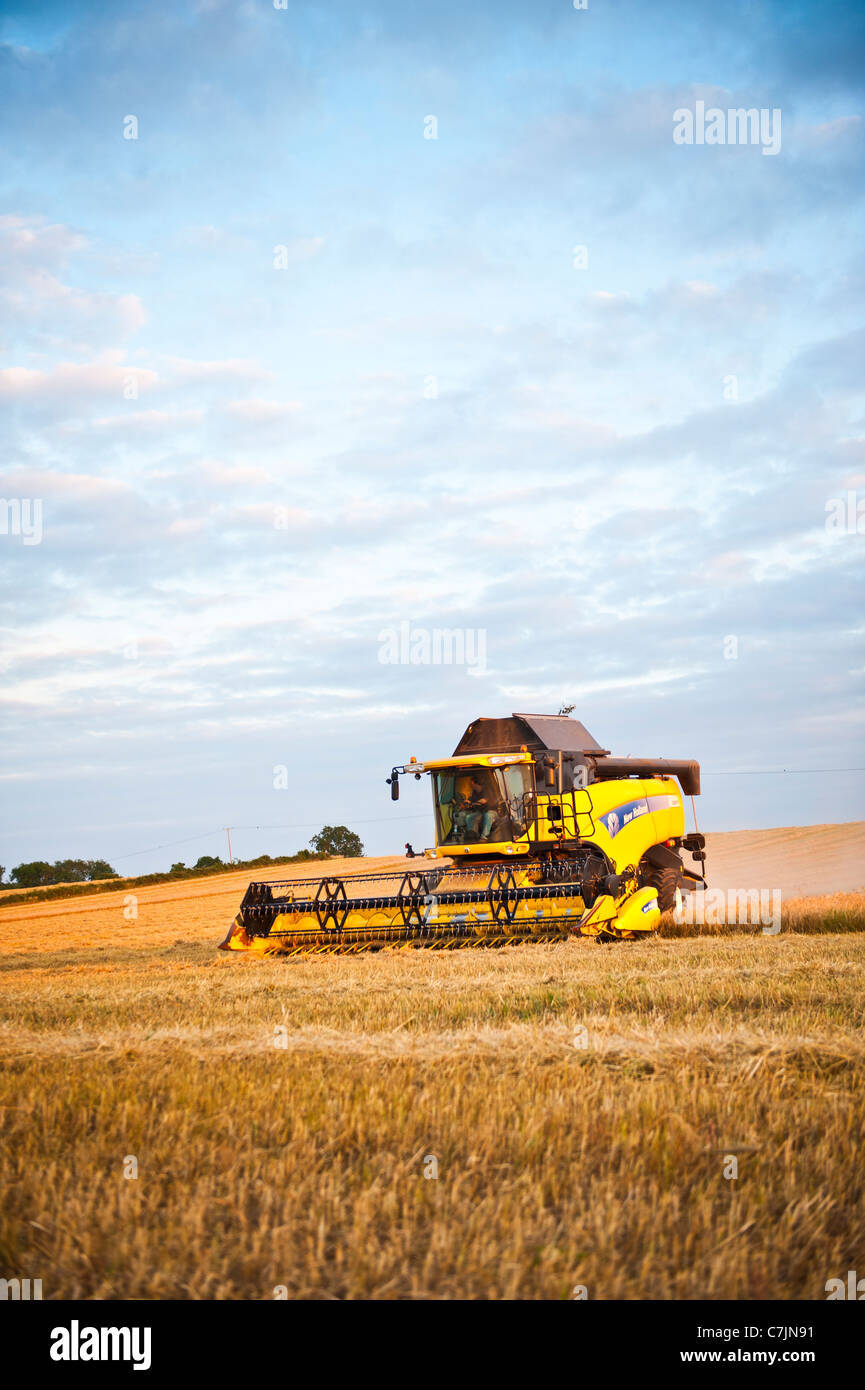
(467, 760)
(638, 913)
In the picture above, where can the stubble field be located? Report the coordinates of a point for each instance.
(518, 1123)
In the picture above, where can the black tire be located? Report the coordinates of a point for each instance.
(666, 881)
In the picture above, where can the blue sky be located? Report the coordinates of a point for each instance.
(456, 426)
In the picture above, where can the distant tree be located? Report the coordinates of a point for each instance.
(178, 868)
(68, 871)
(32, 875)
(2, 873)
(99, 868)
(337, 840)
(208, 861)
(38, 874)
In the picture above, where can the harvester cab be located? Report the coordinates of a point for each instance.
(540, 835)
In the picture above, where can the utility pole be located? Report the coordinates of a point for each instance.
(228, 833)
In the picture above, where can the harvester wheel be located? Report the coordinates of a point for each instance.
(666, 881)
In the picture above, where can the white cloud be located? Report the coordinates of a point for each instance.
(33, 240)
(255, 412)
(37, 305)
(224, 475)
(838, 129)
(302, 248)
(185, 370)
(150, 420)
(210, 238)
(70, 380)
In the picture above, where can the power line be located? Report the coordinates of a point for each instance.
(780, 771)
(170, 844)
(282, 825)
(385, 820)
(302, 825)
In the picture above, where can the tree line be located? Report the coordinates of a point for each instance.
(331, 840)
(40, 874)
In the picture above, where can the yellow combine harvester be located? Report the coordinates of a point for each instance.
(540, 835)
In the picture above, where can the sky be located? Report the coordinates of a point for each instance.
(333, 322)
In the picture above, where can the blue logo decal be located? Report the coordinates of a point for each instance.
(616, 820)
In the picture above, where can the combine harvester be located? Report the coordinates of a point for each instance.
(546, 835)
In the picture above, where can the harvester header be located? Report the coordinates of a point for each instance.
(541, 835)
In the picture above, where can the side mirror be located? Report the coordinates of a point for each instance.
(393, 782)
(550, 776)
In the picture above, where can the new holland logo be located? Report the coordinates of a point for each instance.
(616, 820)
(74, 1343)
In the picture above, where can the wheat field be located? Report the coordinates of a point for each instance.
(524, 1123)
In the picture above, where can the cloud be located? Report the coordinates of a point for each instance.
(76, 311)
(255, 412)
(244, 475)
(34, 241)
(38, 307)
(150, 420)
(186, 371)
(71, 381)
(841, 128)
(299, 249)
(209, 238)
